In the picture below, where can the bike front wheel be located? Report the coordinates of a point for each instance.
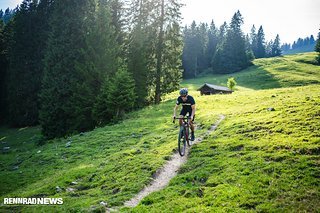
(182, 142)
(187, 136)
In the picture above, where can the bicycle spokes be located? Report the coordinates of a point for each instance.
(182, 142)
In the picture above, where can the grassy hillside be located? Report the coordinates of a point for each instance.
(257, 160)
(109, 164)
(268, 73)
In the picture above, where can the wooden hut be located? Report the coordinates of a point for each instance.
(209, 89)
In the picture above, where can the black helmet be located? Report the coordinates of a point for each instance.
(184, 91)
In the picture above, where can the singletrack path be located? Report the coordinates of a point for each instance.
(168, 171)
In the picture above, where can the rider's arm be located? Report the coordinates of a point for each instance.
(175, 109)
(193, 110)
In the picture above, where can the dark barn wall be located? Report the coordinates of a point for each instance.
(205, 90)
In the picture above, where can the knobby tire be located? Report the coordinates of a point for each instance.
(182, 142)
(188, 136)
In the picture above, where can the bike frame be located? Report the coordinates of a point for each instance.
(185, 124)
(185, 129)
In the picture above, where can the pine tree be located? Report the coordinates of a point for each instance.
(253, 40)
(268, 48)
(285, 47)
(202, 35)
(317, 48)
(191, 51)
(302, 45)
(312, 41)
(195, 57)
(101, 111)
(275, 49)
(306, 41)
(3, 70)
(8, 14)
(299, 42)
(6, 43)
(25, 62)
(212, 42)
(222, 32)
(232, 53)
(117, 11)
(167, 14)
(294, 45)
(151, 22)
(261, 48)
(218, 60)
(103, 50)
(160, 25)
(172, 59)
(249, 51)
(64, 108)
(120, 95)
(138, 64)
(140, 49)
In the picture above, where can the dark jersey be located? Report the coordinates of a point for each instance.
(186, 106)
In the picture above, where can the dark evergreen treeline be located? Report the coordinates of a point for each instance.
(71, 65)
(5, 17)
(300, 45)
(224, 49)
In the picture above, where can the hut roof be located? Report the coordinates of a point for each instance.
(215, 87)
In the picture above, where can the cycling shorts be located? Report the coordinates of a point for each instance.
(185, 112)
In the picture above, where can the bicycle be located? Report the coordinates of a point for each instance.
(183, 135)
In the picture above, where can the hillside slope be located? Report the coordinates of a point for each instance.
(268, 73)
(257, 160)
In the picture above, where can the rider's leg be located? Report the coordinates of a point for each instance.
(192, 130)
(181, 120)
(182, 114)
(191, 123)
(191, 126)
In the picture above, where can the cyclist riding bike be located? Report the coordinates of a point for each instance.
(188, 107)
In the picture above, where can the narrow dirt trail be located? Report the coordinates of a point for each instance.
(168, 171)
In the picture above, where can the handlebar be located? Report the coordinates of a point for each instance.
(184, 118)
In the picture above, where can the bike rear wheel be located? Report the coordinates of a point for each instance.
(182, 142)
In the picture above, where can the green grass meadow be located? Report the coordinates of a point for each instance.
(258, 160)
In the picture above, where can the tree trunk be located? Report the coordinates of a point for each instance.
(159, 56)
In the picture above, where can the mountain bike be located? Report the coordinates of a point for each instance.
(183, 137)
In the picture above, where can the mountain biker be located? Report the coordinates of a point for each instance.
(188, 106)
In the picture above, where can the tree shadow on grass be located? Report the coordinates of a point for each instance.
(256, 78)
